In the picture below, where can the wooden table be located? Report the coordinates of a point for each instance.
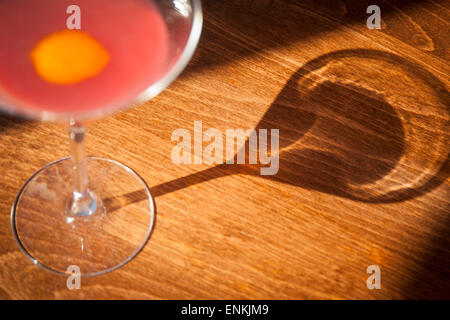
(363, 178)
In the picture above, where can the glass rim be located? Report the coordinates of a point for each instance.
(147, 94)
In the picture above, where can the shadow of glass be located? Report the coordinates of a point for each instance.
(341, 138)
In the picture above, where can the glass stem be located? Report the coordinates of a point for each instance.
(83, 202)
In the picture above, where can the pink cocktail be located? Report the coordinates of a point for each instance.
(133, 33)
(74, 60)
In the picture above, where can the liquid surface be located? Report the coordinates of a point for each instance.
(120, 50)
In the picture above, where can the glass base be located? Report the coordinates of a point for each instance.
(114, 232)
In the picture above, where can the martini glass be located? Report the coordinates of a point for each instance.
(77, 60)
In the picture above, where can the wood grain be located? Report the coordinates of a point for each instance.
(364, 175)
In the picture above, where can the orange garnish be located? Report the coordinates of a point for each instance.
(69, 57)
